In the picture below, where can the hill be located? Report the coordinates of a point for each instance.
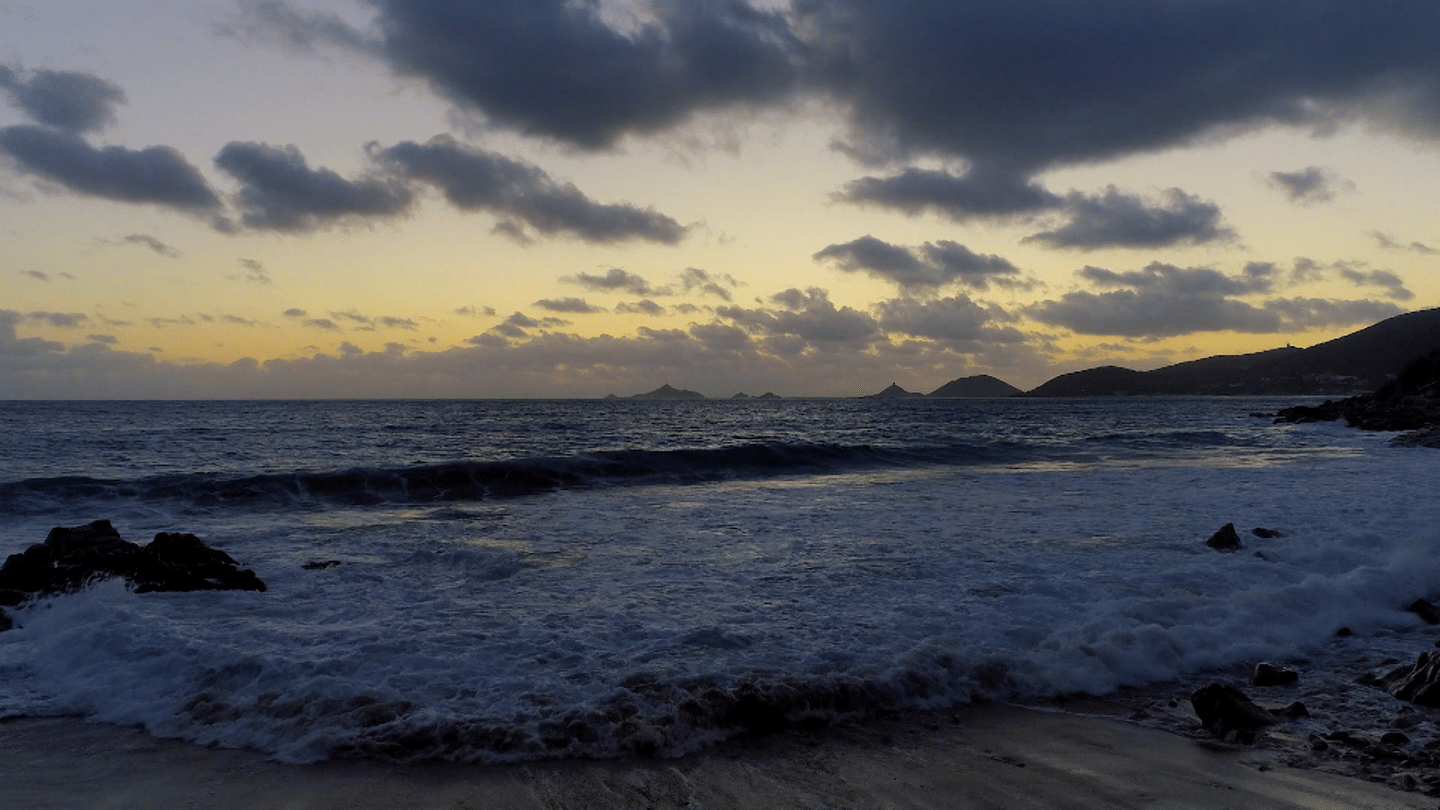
(1359, 361)
(980, 385)
(893, 392)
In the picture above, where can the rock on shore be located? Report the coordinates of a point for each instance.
(72, 557)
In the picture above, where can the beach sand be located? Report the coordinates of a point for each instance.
(987, 756)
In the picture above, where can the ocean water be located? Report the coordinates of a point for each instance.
(491, 581)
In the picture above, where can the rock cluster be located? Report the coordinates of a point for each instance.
(1410, 402)
(71, 558)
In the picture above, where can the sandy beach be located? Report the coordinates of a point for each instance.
(991, 756)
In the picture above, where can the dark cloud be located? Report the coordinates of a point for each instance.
(74, 102)
(1391, 243)
(643, 307)
(158, 174)
(615, 279)
(280, 192)
(322, 323)
(980, 192)
(35, 274)
(1312, 184)
(296, 312)
(1165, 301)
(473, 179)
(930, 266)
(1119, 220)
(255, 271)
(239, 321)
(554, 68)
(154, 244)
(475, 312)
(576, 305)
(108, 340)
(1033, 83)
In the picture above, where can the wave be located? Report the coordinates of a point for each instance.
(484, 480)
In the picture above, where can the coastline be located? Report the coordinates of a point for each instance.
(989, 755)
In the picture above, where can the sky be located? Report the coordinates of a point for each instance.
(572, 198)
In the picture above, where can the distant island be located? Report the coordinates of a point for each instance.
(667, 392)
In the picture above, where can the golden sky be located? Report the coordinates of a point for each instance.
(533, 198)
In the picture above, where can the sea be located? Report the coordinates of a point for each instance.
(515, 580)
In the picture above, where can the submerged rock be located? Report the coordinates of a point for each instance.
(1224, 540)
(72, 557)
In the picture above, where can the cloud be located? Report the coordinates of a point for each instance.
(716, 284)
(73, 102)
(981, 192)
(1165, 301)
(615, 279)
(593, 84)
(1312, 184)
(108, 340)
(808, 315)
(1119, 220)
(254, 271)
(35, 274)
(296, 312)
(643, 307)
(300, 31)
(280, 192)
(1033, 84)
(60, 320)
(953, 320)
(475, 312)
(473, 179)
(157, 174)
(1393, 285)
(1388, 242)
(154, 244)
(932, 265)
(576, 305)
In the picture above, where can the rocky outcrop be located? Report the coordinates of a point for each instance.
(1410, 402)
(73, 557)
(1418, 683)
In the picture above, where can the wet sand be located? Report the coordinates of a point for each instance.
(990, 756)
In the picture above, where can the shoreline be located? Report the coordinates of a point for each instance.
(987, 755)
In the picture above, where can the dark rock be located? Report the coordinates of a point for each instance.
(1293, 711)
(1267, 674)
(1223, 709)
(1425, 610)
(5, 621)
(72, 557)
(1394, 738)
(1224, 540)
(1419, 683)
(1266, 534)
(1409, 402)
(318, 565)
(1344, 632)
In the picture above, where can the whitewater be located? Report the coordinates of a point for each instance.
(516, 580)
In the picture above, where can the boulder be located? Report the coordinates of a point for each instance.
(1224, 540)
(72, 557)
(1223, 709)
